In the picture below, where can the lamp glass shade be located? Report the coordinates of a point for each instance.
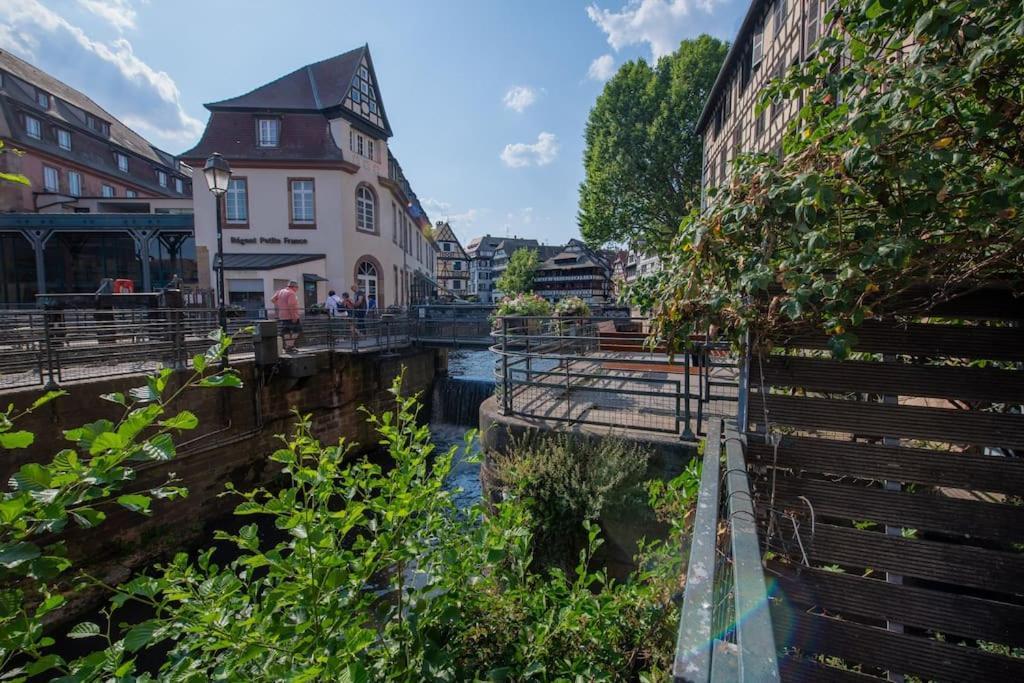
(218, 173)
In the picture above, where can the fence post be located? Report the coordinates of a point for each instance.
(687, 431)
(506, 390)
(744, 386)
(51, 384)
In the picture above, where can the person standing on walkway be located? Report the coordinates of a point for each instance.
(332, 304)
(286, 310)
(359, 306)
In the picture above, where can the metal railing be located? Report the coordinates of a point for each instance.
(607, 372)
(725, 628)
(51, 347)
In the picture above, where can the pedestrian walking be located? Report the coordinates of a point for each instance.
(286, 310)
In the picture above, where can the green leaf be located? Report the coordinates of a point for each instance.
(183, 420)
(11, 440)
(138, 636)
(30, 477)
(47, 397)
(106, 441)
(135, 502)
(44, 664)
(144, 394)
(15, 554)
(115, 397)
(225, 380)
(354, 673)
(86, 629)
(88, 517)
(11, 508)
(199, 362)
(160, 447)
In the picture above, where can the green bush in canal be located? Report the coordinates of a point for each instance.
(565, 482)
(379, 577)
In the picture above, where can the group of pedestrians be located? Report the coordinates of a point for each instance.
(358, 306)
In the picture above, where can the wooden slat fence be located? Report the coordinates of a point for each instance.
(889, 492)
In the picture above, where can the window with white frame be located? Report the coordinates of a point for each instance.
(365, 209)
(131, 194)
(74, 183)
(236, 201)
(33, 128)
(161, 177)
(812, 21)
(757, 47)
(394, 223)
(369, 150)
(779, 12)
(179, 185)
(122, 162)
(64, 139)
(43, 99)
(269, 132)
(107, 191)
(303, 211)
(51, 179)
(360, 145)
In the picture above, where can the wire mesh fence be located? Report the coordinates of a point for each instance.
(611, 372)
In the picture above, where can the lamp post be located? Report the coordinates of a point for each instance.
(218, 175)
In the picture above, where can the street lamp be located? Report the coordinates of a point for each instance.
(218, 175)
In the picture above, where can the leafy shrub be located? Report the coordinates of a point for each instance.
(381, 576)
(564, 481)
(73, 491)
(572, 306)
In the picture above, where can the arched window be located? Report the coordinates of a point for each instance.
(366, 209)
(366, 278)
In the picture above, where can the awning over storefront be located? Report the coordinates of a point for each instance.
(313, 277)
(267, 261)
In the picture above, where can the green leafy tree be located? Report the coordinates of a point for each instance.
(520, 273)
(643, 155)
(901, 185)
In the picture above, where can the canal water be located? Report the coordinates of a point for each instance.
(455, 408)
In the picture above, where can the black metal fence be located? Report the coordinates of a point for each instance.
(48, 348)
(608, 372)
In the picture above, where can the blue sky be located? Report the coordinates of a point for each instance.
(488, 100)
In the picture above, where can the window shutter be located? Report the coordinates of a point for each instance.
(757, 51)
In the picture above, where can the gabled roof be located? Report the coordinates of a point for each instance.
(322, 86)
(444, 233)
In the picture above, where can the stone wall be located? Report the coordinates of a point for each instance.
(237, 432)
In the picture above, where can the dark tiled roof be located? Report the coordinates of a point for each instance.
(266, 261)
(311, 88)
(120, 133)
(69, 109)
(304, 137)
(305, 99)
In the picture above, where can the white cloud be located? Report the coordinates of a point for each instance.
(602, 68)
(519, 97)
(659, 23)
(439, 210)
(118, 13)
(540, 153)
(143, 98)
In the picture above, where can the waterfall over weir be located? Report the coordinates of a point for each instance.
(456, 400)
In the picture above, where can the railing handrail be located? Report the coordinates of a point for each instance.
(753, 656)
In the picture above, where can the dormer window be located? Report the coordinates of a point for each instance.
(161, 177)
(269, 132)
(43, 99)
(32, 127)
(122, 162)
(101, 127)
(64, 139)
(179, 186)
